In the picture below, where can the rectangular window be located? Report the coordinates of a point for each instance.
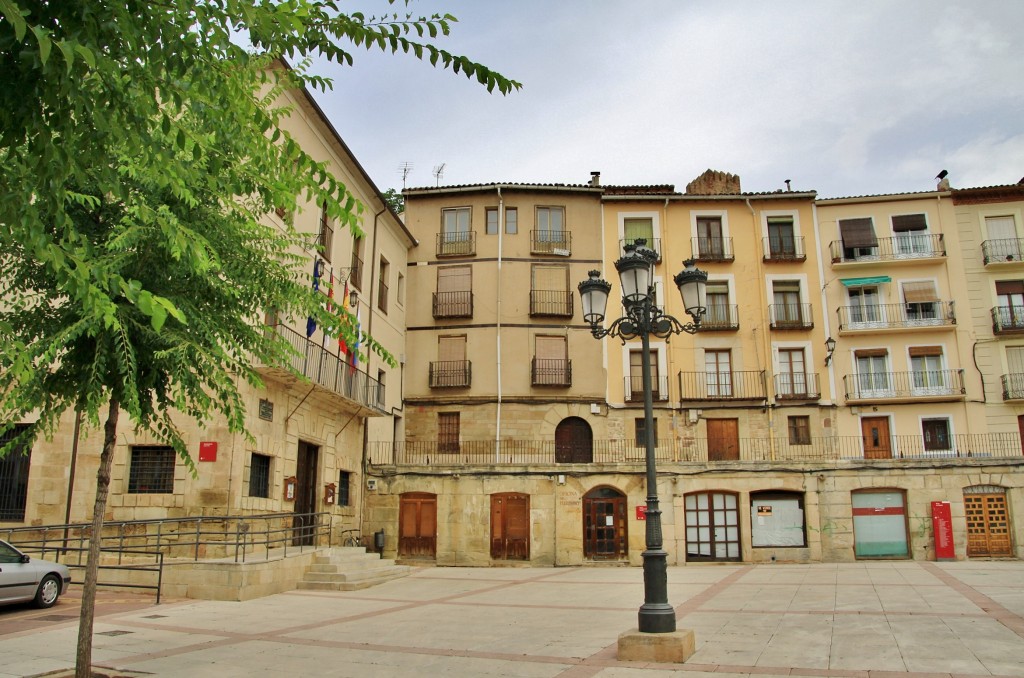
(717, 314)
(872, 371)
(718, 373)
(551, 361)
(792, 372)
(781, 237)
(926, 369)
(634, 229)
(635, 392)
(864, 306)
(345, 488)
(454, 298)
(259, 475)
(1002, 243)
(640, 431)
(799, 430)
(788, 309)
(511, 220)
(14, 477)
(492, 221)
(356, 277)
(448, 431)
(382, 285)
(549, 292)
(151, 470)
(709, 237)
(936, 434)
(910, 233)
(455, 224)
(858, 238)
(451, 369)
(922, 300)
(326, 237)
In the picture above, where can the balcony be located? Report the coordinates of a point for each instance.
(884, 317)
(558, 243)
(551, 372)
(903, 248)
(1005, 251)
(791, 316)
(634, 389)
(458, 244)
(651, 243)
(797, 386)
(450, 374)
(783, 248)
(712, 249)
(1013, 386)
(923, 385)
(556, 303)
(720, 317)
(453, 304)
(355, 278)
(330, 371)
(1007, 319)
(967, 449)
(744, 385)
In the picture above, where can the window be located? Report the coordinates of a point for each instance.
(922, 302)
(492, 221)
(777, 519)
(455, 224)
(718, 313)
(709, 237)
(635, 389)
(400, 290)
(326, 237)
(378, 397)
(781, 238)
(792, 372)
(799, 430)
(1009, 304)
(14, 476)
(382, 285)
(864, 306)
(910, 233)
(259, 475)
(788, 310)
(447, 431)
(936, 434)
(718, 373)
(356, 277)
(454, 298)
(1002, 243)
(511, 221)
(551, 361)
(926, 369)
(858, 238)
(638, 228)
(451, 369)
(151, 470)
(640, 431)
(872, 371)
(549, 294)
(344, 488)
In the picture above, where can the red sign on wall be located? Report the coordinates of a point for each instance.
(208, 451)
(942, 529)
(641, 512)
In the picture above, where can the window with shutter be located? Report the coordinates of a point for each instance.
(858, 238)
(922, 301)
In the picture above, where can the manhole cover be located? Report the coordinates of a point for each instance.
(57, 617)
(155, 616)
(114, 633)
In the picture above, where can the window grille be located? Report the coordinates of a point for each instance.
(152, 470)
(14, 476)
(259, 476)
(344, 488)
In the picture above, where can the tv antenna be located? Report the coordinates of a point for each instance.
(405, 168)
(438, 173)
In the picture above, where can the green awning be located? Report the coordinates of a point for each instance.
(861, 282)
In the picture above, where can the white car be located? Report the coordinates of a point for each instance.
(24, 579)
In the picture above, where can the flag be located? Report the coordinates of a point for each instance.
(355, 349)
(310, 321)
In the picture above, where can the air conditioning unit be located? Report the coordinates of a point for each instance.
(371, 484)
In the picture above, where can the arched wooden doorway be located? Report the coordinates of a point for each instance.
(574, 442)
(417, 525)
(604, 524)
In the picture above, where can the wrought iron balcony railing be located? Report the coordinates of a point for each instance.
(453, 304)
(329, 370)
(1004, 251)
(551, 242)
(897, 316)
(1007, 319)
(712, 249)
(719, 317)
(634, 389)
(457, 244)
(1013, 386)
(783, 248)
(450, 373)
(798, 386)
(551, 303)
(760, 450)
(899, 248)
(652, 243)
(923, 384)
(551, 372)
(741, 385)
(791, 316)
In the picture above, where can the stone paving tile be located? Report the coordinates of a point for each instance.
(864, 643)
(929, 644)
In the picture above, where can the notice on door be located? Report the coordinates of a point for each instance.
(942, 529)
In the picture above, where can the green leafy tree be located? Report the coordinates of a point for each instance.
(139, 150)
(395, 200)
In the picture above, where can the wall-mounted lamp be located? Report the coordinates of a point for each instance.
(830, 348)
(353, 298)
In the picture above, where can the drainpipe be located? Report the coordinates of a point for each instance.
(497, 338)
(364, 462)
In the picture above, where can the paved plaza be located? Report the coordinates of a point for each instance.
(854, 620)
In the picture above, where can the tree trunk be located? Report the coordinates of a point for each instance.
(83, 665)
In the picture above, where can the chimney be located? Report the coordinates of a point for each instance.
(595, 178)
(788, 187)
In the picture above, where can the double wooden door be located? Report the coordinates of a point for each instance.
(510, 526)
(723, 439)
(417, 525)
(988, 525)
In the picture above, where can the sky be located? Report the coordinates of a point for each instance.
(844, 98)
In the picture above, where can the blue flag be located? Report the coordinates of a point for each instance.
(310, 322)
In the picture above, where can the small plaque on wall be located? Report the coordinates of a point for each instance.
(208, 451)
(266, 410)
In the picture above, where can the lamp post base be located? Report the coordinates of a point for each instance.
(668, 648)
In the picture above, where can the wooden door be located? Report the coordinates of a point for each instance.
(712, 526)
(304, 523)
(604, 525)
(574, 442)
(875, 433)
(723, 439)
(417, 525)
(988, 525)
(510, 526)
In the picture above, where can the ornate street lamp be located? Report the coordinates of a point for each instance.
(644, 319)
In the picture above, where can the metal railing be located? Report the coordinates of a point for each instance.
(897, 316)
(902, 247)
(453, 304)
(1006, 250)
(551, 303)
(728, 385)
(791, 316)
(652, 243)
(458, 244)
(450, 373)
(634, 389)
(327, 369)
(551, 242)
(1007, 319)
(924, 384)
(762, 449)
(1013, 386)
(800, 386)
(783, 248)
(712, 249)
(551, 372)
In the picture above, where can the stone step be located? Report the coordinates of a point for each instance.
(349, 569)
